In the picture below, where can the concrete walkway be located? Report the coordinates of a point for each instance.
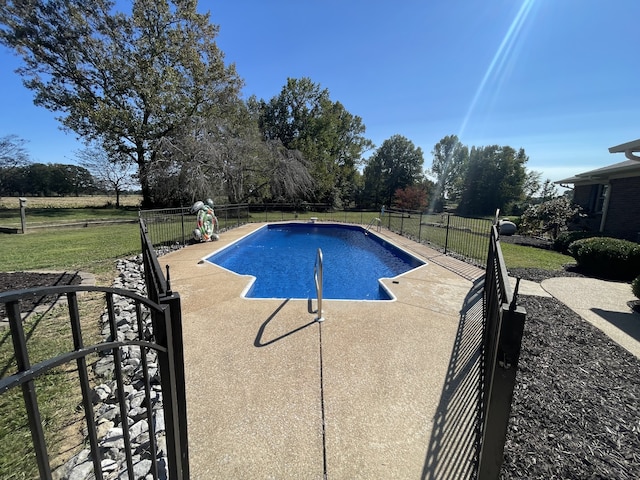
(377, 390)
(603, 304)
(600, 302)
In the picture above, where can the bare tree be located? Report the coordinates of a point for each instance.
(227, 156)
(12, 156)
(114, 174)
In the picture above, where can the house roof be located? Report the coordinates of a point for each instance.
(626, 168)
(628, 149)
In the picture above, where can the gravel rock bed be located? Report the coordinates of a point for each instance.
(576, 406)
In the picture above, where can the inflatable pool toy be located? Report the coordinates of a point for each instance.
(206, 221)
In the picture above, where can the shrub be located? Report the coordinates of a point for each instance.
(549, 218)
(607, 257)
(561, 244)
(635, 286)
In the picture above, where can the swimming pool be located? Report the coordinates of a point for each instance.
(281, 257)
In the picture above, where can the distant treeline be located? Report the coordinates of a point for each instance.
(49, 180)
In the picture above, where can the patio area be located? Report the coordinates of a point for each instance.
(377, 390)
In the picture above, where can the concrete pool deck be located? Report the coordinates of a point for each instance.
(377, 390)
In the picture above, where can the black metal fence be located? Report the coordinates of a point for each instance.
(464, 237)
(153, 329)
(159, 290)
(502, 336)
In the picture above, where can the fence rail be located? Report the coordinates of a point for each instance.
(464, 237)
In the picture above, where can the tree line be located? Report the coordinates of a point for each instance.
(149, 89)
(95, 174)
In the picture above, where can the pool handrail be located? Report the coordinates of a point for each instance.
(373, 220)
(317, 276)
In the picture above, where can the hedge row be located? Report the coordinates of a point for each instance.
(607, 257)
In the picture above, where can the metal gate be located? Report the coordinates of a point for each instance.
(152, 333)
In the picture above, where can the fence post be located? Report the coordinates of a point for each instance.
(420, 229)
(401, 222)
(23, 216)
(500, 392)
(184, 237)
(446, 238)
(180, 407)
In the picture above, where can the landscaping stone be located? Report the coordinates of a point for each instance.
(107, 410)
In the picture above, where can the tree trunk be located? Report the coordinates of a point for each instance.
(143, 174)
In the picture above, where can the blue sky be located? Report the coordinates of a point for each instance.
(559, 78)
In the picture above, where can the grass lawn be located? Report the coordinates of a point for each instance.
(58, 391)
(91, 249)
(94, 250)
(520, 256)
(85, 201)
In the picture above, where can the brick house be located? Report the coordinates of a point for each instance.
(611, 195)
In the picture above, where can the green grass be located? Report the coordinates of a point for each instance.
(91, 249)
(519, 256)
(48, 335)
(57, 216)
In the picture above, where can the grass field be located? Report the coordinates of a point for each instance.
(85, 201)
(64, 210)
(519, 256)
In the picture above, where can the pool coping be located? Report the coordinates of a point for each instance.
(377, 390)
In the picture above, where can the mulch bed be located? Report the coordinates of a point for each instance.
(20, 280)
(575, 412)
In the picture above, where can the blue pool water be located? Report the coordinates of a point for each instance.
(282, 258)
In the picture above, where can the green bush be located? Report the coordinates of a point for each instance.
(607, 257)
(561, 244)
(549, 218)
(635, 286)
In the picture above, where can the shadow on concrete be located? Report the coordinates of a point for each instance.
(628, 322)
(258, 342)
(454, 444)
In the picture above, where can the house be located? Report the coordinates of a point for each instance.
(610, 196)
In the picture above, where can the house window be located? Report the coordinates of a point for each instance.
(596, 198)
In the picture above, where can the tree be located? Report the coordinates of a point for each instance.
(70, 179)
(549, 218)
(494, 178)
(12, 155)
(413, 197)
(110, 174)
(303, 118)
(227, 156)
(449, 162)
(531, 184)
(397, 164)
(127, 81)
(548, 191)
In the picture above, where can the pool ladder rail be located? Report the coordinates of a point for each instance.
(317, 276)
(373, 220)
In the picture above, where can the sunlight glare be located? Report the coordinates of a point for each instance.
(497, 66)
